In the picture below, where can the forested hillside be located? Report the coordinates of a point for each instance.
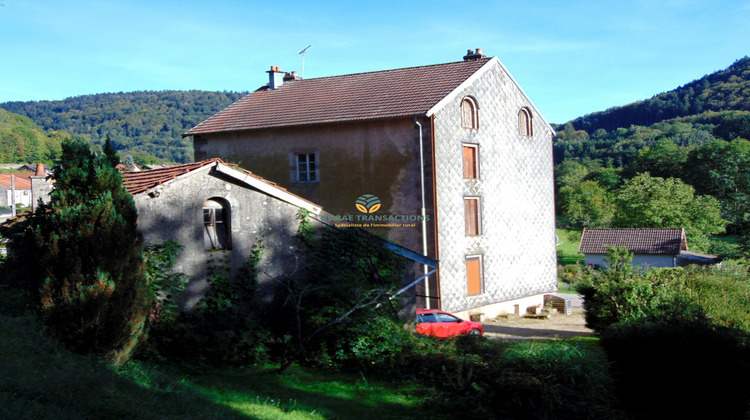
(147, 125)
(22, 141)
(674, 160)
(728, 89)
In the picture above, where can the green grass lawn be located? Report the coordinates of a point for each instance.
(307, 394)
(40, 379)
(567, 253)
(567, 249)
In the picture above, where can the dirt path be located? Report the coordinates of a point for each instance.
(557, 326)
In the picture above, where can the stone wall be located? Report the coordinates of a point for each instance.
(175, 211)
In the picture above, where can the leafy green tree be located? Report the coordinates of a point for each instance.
(607, 177)
(722, 169)
(664, 159)
(586, 205)
(722, 90)
(646, 201)
(570, 173)
(82, 259)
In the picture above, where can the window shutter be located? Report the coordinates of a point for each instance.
(471, 215)
(474, 275)
(470, 162)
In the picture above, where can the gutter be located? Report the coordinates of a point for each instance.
(424, 218)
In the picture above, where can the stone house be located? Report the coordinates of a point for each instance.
(210, 206)
(651, 247)
(451, 159)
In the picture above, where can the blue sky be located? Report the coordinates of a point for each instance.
(571, 57)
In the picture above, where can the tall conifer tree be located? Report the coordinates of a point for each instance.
(87, 271)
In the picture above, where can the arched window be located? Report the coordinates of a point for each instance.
(216, 224)
(524, 122)
(469, 114)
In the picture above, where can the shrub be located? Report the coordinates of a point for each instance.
(563, 362)
(376, 342)
(621, 293)
(346, 280)
(679, 368)
(221, 329)
(473, 377)
(164, 284)
(722, 293)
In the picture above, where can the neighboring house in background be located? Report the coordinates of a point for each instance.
(467, 127)
(122, 167)
(652, 247)
(15, 188)
(20, 167)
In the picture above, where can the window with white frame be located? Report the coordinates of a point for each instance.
(216, 225)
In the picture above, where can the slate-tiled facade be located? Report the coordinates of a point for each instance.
(517, 243)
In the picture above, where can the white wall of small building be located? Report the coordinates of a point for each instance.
(642, 260)
(22, 197)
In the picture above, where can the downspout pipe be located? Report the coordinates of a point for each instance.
(424, 216)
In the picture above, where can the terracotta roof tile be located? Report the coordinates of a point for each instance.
(669, 241)
(137, 182)
(22, 181)
(363, 96)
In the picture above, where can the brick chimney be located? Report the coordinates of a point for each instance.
(275, 77)
(471, 55)
(288, 77)
(40, 187)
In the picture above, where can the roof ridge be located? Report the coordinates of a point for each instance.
(387, 70)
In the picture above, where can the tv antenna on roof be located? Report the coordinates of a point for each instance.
(302, 53)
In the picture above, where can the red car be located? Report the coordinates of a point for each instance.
(444, 324)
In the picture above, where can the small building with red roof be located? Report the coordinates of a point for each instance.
(15, 188)
(651, 247)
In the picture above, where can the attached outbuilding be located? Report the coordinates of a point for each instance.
(218, 212)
